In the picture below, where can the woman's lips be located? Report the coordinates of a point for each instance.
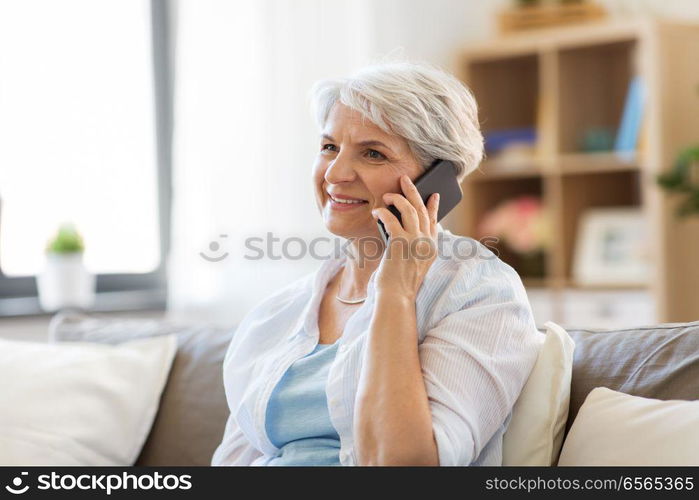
(341, 202)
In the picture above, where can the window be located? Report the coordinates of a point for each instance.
(84, 120)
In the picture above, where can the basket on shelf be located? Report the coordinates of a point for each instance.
(535, 16)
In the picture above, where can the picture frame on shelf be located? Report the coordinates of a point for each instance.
(611, 248)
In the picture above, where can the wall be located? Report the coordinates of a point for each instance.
(245, 140)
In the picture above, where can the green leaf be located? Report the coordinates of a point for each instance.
(66, 240)
(680, 180)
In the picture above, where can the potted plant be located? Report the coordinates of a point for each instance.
(65, 282)
(683, 179)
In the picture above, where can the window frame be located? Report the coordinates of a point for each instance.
(128, 291)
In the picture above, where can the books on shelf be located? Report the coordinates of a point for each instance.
(632, 118)
(499, 140)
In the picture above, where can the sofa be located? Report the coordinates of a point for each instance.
(659, 362)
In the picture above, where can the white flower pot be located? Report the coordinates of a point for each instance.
(65, 283)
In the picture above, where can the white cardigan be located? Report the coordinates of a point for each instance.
(477, 345)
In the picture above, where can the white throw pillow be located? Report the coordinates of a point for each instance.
(535, 433)
(613, 428)
(80, 403)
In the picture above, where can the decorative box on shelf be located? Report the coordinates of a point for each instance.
(547, 15)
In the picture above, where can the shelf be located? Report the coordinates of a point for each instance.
(496, 169)
(584, 163)
(594, 82)
(566, 164)
(528, 42)
(572, 285)
(580, 193)
(488, 195)
(571, 84)
(507, 92)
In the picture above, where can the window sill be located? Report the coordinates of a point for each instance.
(136, 300)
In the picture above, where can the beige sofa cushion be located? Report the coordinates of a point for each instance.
(535, 434)
(616, 429)
(79, 403)
(193, 409)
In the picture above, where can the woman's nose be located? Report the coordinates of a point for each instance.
(340, 170)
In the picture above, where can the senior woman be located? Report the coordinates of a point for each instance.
(387, 357)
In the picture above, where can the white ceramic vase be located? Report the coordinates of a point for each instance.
(65, 283)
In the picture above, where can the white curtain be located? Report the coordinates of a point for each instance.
(245, 140)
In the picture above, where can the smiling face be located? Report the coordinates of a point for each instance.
(356, 164)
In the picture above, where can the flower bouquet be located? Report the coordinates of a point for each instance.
(523, 227)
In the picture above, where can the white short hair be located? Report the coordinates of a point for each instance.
(431, 109)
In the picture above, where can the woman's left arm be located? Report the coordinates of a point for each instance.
(439, 402)
(393, 424)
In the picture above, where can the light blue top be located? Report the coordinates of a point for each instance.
(297, 419)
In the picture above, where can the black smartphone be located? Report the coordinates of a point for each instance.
(440, 178)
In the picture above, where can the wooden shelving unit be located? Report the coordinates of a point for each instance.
(563, 81)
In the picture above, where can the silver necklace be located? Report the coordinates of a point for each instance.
(347, 301)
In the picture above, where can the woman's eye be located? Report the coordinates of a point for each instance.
(326, 146)
(376, 156)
